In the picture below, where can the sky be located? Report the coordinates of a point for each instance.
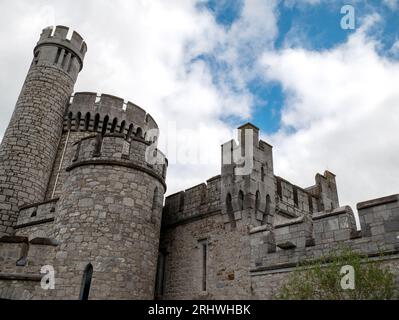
(325, 97)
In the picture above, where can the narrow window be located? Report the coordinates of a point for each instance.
(160, 278)
(87, 122)
(98, 145)
(130, 132)
(64, 59)
(77, 123)
(279, 189)
(70, 115)
(204, 255)
(123, 125)
(71, 63)
(114, 124)
(139, 133)
(296, 196)
(105, 125)
(310, 204)
(57, 57)
(241, 200)
(262, 174)
(230, 211)
(257, 201)
(86, 283)
(96, 122)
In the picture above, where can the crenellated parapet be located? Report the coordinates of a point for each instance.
(114, 149)
(193, 203)
(104, 113)
(57, 49)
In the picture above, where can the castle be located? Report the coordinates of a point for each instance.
(79, 196)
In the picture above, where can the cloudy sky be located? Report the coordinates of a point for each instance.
(325, 97)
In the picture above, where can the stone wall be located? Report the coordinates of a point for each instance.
(227, 260)
(30, 143)
(112, 223)
(331, 231)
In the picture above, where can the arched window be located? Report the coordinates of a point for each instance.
(241, 200)
(296, 202)
(310, 204)
(70, 115)
(96, 122)
(230, 211)
(139, 133)
(86, 282)
(105, 125)
(267, 210)
(279, 188)
(87, 121)
(130, 132)
(257, 201)
(114, 124)
(77, 124)
(123, 125)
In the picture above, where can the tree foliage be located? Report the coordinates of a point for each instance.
(321, 279)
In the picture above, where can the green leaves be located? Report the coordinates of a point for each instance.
(321, 279)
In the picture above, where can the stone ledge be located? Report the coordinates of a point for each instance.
(290, 223)
(335, 212)
(38, 204)
(288, 266)
(119, 164)
(377, 202)
(34, 223)
(13, 239)
(259, 229)
(20, 277)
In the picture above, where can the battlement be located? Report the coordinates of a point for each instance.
(193, 203)
(309, 238)
(89, 111)
(58, 36)
(114, 149)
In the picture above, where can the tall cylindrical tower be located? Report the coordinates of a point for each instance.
(109, 218)
(29, 146)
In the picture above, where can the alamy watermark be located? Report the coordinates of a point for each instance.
(48, 279)
(348, 21)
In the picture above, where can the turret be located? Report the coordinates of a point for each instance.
(30, 143)
(248, 188)
(109, 218)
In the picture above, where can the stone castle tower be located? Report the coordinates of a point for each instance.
(76, 184)
(31, 141)
(82, 185)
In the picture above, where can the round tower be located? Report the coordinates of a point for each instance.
(29, 146)
(109, 212)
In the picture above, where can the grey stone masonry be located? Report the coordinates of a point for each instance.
(82, 185)
(30, 143)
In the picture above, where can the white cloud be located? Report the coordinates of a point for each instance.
(342, 104)
(392, 4)
(143, 51)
